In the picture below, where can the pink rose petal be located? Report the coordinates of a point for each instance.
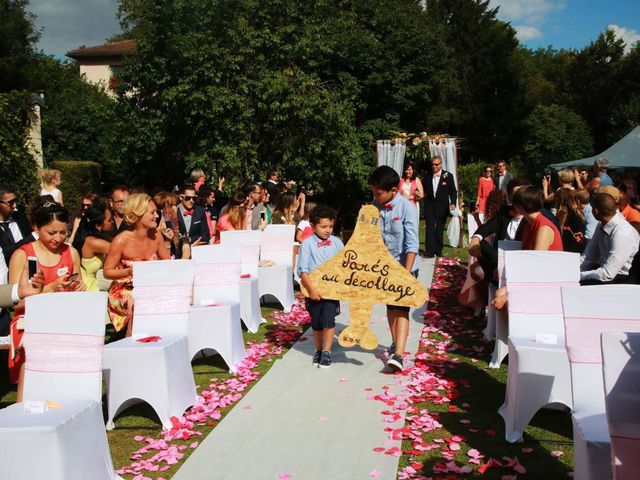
(557, 453)
(374, 473)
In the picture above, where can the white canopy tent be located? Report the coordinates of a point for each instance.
(625, 153)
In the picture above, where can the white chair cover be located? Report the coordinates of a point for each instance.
(217, 327)
(250, 312)
(620, 365)
(589, 312)
(472, 225)
(538, 373)
(499, 318)
(276, 244)
(64, 338)
(158, 373)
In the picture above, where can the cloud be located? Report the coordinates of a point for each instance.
(528, 15)
(527, 32)
(630, 37)
(69, 24)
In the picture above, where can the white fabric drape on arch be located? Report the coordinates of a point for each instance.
(391, 153)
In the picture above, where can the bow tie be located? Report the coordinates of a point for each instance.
(388, 206)
(324, 243)
(187, 213)
(501, 174)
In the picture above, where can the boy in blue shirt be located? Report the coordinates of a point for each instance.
(315, 251)
(399, 222)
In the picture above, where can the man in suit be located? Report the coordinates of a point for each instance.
(503, 178)
(15, 229)
(192, 219)
(440, 197)
(117, 199)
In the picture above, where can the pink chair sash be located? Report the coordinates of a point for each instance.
(582, 335)
(63, 352)
(223, 273)
(162, 299)
(276, 243)
(250, 254)
(536, 297)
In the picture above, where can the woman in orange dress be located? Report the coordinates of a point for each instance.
(59, 262)
(485, 187)
(142, 242)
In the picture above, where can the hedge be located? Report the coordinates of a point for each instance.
(78, 179)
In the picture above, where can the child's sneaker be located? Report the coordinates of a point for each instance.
(325, 360)
(392, 349)
(316, 358)
(395, 363)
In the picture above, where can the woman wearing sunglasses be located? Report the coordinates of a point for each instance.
(87, 201)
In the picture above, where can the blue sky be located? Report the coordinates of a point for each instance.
(69, 24)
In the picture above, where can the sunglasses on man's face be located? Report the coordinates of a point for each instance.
(86, 205)
(190, 197)
(436, 164)
(11, 202)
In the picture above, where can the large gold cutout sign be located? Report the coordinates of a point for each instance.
(364, 273)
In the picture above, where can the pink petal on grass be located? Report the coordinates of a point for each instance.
(527, 450)
(557, 453)
(343, 379)
(374, 473)
(284, 476)
(323, 419)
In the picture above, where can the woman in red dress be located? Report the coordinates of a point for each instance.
(539, 233)
(485, 186)
(142, 242)
(58, 262)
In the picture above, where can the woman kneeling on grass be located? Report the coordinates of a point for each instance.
(142, 242)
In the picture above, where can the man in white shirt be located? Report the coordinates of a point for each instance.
(609, 255)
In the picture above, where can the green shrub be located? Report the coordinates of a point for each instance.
(78, 179)
(468, 175)
(18, 168)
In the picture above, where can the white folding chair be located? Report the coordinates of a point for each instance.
(276, 244)
(472, 225)
(217, 282)
(538, 364)
(497, 321)
(621, 365)
(158, 372)
(250, 312)
(63, 340)
(589, 312)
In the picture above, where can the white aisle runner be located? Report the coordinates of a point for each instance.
(301, 422)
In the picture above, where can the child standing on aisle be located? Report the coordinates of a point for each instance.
(399, 225)
(315, 251)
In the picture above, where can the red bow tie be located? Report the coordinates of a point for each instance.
(388, 206)
(501, 174)
(325, 243)
(187, 213)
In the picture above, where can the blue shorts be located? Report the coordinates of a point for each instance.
(323, 313)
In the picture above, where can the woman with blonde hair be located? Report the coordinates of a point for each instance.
(566, 178)
(143, 242)
(51, 180)
(234, 216)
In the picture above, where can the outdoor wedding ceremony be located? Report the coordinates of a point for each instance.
(381, 239)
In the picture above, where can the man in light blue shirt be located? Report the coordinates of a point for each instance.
(399, 225)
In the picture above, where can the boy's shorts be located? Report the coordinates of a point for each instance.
(391, 308)
(323, 313)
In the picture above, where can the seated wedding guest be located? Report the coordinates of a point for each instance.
(600, 177)
(584, 199)
(271, 184)
(571, 218)
(631, 187)
(506, 224)
(610, 253)
(86, 202)
(411, 186)
(234, 216)
(539, 233)
(629, 213)
(92, 242)
(265, 201)
(304, 229)
(59, 263)
(634, 272)
(141, 243)
(286, 210)
(192, 219)
(119, 195)
(197, 178)
(207, 200)
(15, 228)
(565, 177)
(253, 208)
(51, 180)
(168, 226)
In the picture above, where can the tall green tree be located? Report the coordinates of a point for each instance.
(18, 37)
(485, 103)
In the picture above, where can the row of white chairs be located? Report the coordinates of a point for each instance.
(552, 334)
(192, 305)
